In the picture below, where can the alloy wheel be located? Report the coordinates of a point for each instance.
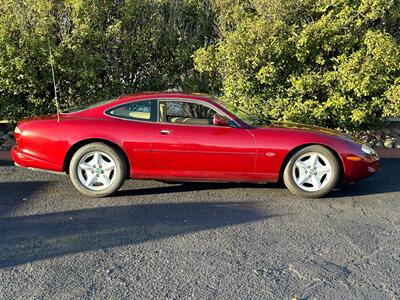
(96, 171)
(312, 172)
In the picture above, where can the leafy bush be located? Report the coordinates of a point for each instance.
(328, 62)
(101, 49)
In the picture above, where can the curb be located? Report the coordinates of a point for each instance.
(388, 153)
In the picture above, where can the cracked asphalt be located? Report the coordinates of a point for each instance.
(156, 240)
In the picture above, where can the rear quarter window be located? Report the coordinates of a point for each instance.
(138, 110)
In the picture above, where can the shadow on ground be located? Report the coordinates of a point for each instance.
(386, 180)
(181, 187)
(4, 163)
(12, 194)
(30, 238)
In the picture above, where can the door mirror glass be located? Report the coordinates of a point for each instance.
(220, 120)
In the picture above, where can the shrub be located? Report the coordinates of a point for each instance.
(101, 49)
(326, 62)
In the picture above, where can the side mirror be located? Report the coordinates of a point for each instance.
(219, 120)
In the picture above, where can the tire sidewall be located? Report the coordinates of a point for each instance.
(113, 153)
(335, 169)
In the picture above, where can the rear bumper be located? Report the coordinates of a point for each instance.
(25, 160)
(359, 169)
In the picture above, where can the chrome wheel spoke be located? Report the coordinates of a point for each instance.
(97, 159)
(323, 170)
(302, 179)
(105, 180)
(316, 182)
(313, 159)
(85, 166)
(91, 179)
(301, 165)
(108, 166)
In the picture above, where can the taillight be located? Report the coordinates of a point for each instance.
(17, 134)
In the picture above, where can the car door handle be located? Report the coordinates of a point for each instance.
(165, 131)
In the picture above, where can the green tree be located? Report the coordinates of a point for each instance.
(328, 62)
(100, 49)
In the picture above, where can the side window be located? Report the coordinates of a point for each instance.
(138, 110)
(186, 113)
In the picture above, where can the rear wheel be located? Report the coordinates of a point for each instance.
(97, 170)
(312, 172)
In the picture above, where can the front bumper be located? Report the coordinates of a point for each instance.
(358, 167)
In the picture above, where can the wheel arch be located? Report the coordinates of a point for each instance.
(71, 151)
(297, 148)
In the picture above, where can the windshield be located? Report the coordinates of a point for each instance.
(86, 106)
(241, 114)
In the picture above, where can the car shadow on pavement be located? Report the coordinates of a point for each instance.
(181, 187)
(386, 180)
(13, 194)
(4, 163)
(36, 237)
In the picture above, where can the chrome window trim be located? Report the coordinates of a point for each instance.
(216, 109)
(209, 105)
(125, 119)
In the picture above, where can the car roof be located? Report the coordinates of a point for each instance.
(98, 110)
(167, 94)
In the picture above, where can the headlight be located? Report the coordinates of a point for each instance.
(367, 150)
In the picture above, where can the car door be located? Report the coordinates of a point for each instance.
(133, 121)
(186, 144)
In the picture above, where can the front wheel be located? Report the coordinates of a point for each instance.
(97, 170)
(312, 172)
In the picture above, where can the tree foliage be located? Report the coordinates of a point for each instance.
(327, 62)
(100, 49)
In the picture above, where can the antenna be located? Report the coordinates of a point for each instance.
(54, 82)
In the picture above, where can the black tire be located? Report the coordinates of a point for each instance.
(331, 183)
(118, 177)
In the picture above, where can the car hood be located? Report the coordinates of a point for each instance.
(290, 125)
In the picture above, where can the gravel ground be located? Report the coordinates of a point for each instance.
(156, 240)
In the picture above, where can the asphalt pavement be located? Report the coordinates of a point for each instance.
(156, 240)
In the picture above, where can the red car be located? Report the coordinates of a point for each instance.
(187, 137)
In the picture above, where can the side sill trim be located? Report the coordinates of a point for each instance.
(41, 170)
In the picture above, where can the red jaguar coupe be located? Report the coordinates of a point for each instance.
(187, 137)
